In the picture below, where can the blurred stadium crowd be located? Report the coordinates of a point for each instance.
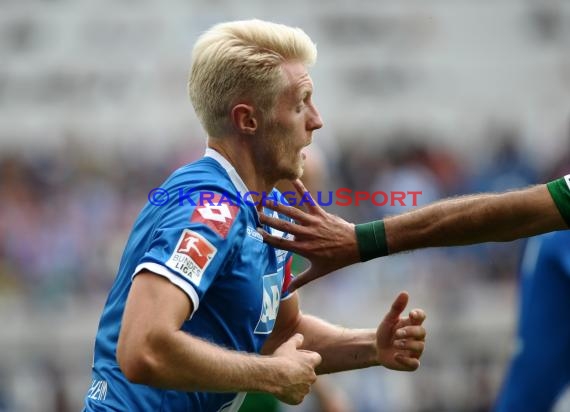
(449, 97)
(65, 217)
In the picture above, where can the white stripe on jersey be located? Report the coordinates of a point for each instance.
(234, 405)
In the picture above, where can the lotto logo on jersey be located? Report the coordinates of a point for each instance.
(567, 178)
(216, 214)
(192, 256)
(270, 304)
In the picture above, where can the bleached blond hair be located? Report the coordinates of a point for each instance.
(241, 60)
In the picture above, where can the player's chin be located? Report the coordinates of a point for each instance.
(300, 167)
(298, 173)
(293, 173)
(292, 176)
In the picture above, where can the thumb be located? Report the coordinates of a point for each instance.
(297, 340)
(397, 308)
(315, 358)
(303, 278)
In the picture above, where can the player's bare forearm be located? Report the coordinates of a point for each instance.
(184, 362)
(152, 350)
(475, 219)
(342, 349)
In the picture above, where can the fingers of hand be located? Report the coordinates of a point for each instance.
(276, 241)
(297, 340)
(410, 344)
(296, 283)
(312, 358)
(305, 194)
(416, 332)
(304, 278)
(280, 224)
(315, 359)
(295, 394)
(300, 371)
(291, 345)
(407, 363)
(299, 186)
(286, 210)
(398, 307)
(414, 347)
(306, 375)
(417, 316)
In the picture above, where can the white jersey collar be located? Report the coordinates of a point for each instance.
(230, 170)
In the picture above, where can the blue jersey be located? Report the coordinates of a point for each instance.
(540, 368)
(204, 240)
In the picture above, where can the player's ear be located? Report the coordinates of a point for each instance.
(244, 118)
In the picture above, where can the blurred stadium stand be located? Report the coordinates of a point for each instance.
(449, 96)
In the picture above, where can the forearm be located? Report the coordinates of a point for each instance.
(475, 219)
(153, 350)
(341, 348)
(183, 362)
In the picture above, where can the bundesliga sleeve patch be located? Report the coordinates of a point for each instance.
(217, 214)
(192, 255)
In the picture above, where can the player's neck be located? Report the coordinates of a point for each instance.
(243, 161)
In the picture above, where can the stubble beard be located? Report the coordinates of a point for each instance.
(278, 161)
(277, 166)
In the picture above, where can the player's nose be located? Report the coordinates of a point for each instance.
(315, 121)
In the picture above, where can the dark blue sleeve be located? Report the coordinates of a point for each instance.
(540, 368)
(564, 252)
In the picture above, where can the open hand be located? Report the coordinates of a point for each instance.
(401, 340)
(326, 240)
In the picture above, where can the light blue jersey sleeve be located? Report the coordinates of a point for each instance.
(192, 243)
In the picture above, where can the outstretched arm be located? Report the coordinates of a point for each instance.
(397, 343)
(330, 243)
(475, 219)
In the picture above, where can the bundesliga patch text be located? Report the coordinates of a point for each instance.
(192, 255)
